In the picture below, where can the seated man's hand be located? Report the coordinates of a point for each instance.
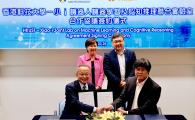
(108, 108)
(121, 110)
(99, 110)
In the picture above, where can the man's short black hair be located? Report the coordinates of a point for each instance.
(143, 62)
(117, 35)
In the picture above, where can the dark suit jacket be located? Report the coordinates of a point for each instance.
(147, 99)
(73, 106)
(112, 69)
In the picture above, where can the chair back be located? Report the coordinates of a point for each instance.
(159, 110)
(61, 107)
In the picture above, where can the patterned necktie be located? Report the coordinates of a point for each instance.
(84, 87)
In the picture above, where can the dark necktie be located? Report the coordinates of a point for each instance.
(93, 72)
(84, 87)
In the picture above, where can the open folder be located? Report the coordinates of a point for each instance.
(96, 98)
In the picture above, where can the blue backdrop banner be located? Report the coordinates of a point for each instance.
(68, 23)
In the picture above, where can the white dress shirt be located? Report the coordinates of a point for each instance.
(86, 86)
(137, 92)
(121, 60)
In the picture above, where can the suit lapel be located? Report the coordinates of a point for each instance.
(144, 89)
(77, 85)
(90, 87)
(126, 60)
(115, 60)
(126, 56)
(132, 86)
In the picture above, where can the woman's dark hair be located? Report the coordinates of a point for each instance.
(143, 62)
(90, 41)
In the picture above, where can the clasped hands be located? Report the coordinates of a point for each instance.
(110, 108)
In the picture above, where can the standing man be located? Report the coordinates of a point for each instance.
(73, 106)
(141, 93)
(118, 65)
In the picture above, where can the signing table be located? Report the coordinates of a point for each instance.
(127, 117)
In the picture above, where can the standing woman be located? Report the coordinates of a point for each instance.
(95, 61)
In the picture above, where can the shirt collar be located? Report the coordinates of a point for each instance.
(121, 53)
(81, 85)
(141, 83)
(87, 57)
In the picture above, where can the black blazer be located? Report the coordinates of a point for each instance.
(147, 99)
(73, 106)
(112, 69)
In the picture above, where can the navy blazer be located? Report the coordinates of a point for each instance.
(112, 69)
(147, 99)
(73, 106)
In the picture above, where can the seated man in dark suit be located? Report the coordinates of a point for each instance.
(141, 93)
(73, 106)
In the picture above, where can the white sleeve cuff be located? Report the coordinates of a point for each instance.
(127, 112)
(94, 109)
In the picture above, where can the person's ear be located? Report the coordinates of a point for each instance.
(87, 49)
(112, 44)
(77, 74)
